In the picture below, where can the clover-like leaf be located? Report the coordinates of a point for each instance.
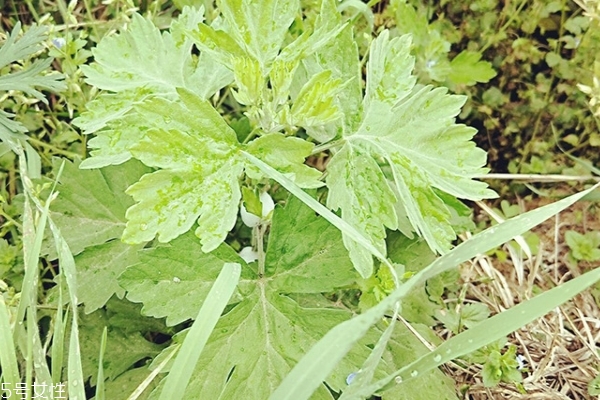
(467, 68)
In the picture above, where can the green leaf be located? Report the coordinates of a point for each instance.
(217, 43)
(265, 332)
(252, 201)
(468, 69)
(127, 382)
(98, 269)
(140, 63)
(473, 313)
(260, 27)
(191, 348)
(173, 280)
(315, 104)
(286, 154)
(91, 205)
(357, 186)
(331, 48)
(411, 130)
(404, 346)
(200, 163)
(308, 374)
(584, 247)
(249, 80)
(123, 349)
(389, 72)
(141, 56)
(200, 176)
(28, 80)
(594, 386)
(364, 270)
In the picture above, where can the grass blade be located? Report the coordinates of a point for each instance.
(322, 358)
(320, 209)
(210, 312)
(8, 356)
(490, 330)
(100, 394)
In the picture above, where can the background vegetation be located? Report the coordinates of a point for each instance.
(531, 72)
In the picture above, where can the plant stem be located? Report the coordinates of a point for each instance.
(326, 146)
(53, 148)
(260, 235)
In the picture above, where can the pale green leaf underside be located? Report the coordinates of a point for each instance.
(140, 63)
(201, 165)
(410, 132)
(168, 204)
(259, 26)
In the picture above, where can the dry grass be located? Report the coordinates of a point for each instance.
(561, 349)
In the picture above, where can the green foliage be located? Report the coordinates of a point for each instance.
(584, 247)
(266, 330)
(30, 79)
(498, 366)
(200, 111)
(431, 47)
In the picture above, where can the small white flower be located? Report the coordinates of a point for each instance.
(248, 254)
(59, 42)
(251, 220)
(521, 361)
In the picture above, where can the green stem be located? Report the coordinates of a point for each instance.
(504, 27)
(88, 12)
(260, 235)
(56, 150)
(326, 146)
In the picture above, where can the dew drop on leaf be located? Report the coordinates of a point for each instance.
(437, 358)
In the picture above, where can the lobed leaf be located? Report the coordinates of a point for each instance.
(259, 27)
(410, 130)
(266, 331)
(140, 63)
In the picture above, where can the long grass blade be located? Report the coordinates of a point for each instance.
(320, 209)
(100, 394)
(488, 331)
(208, 316)
(318, 363)
(8, 356)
